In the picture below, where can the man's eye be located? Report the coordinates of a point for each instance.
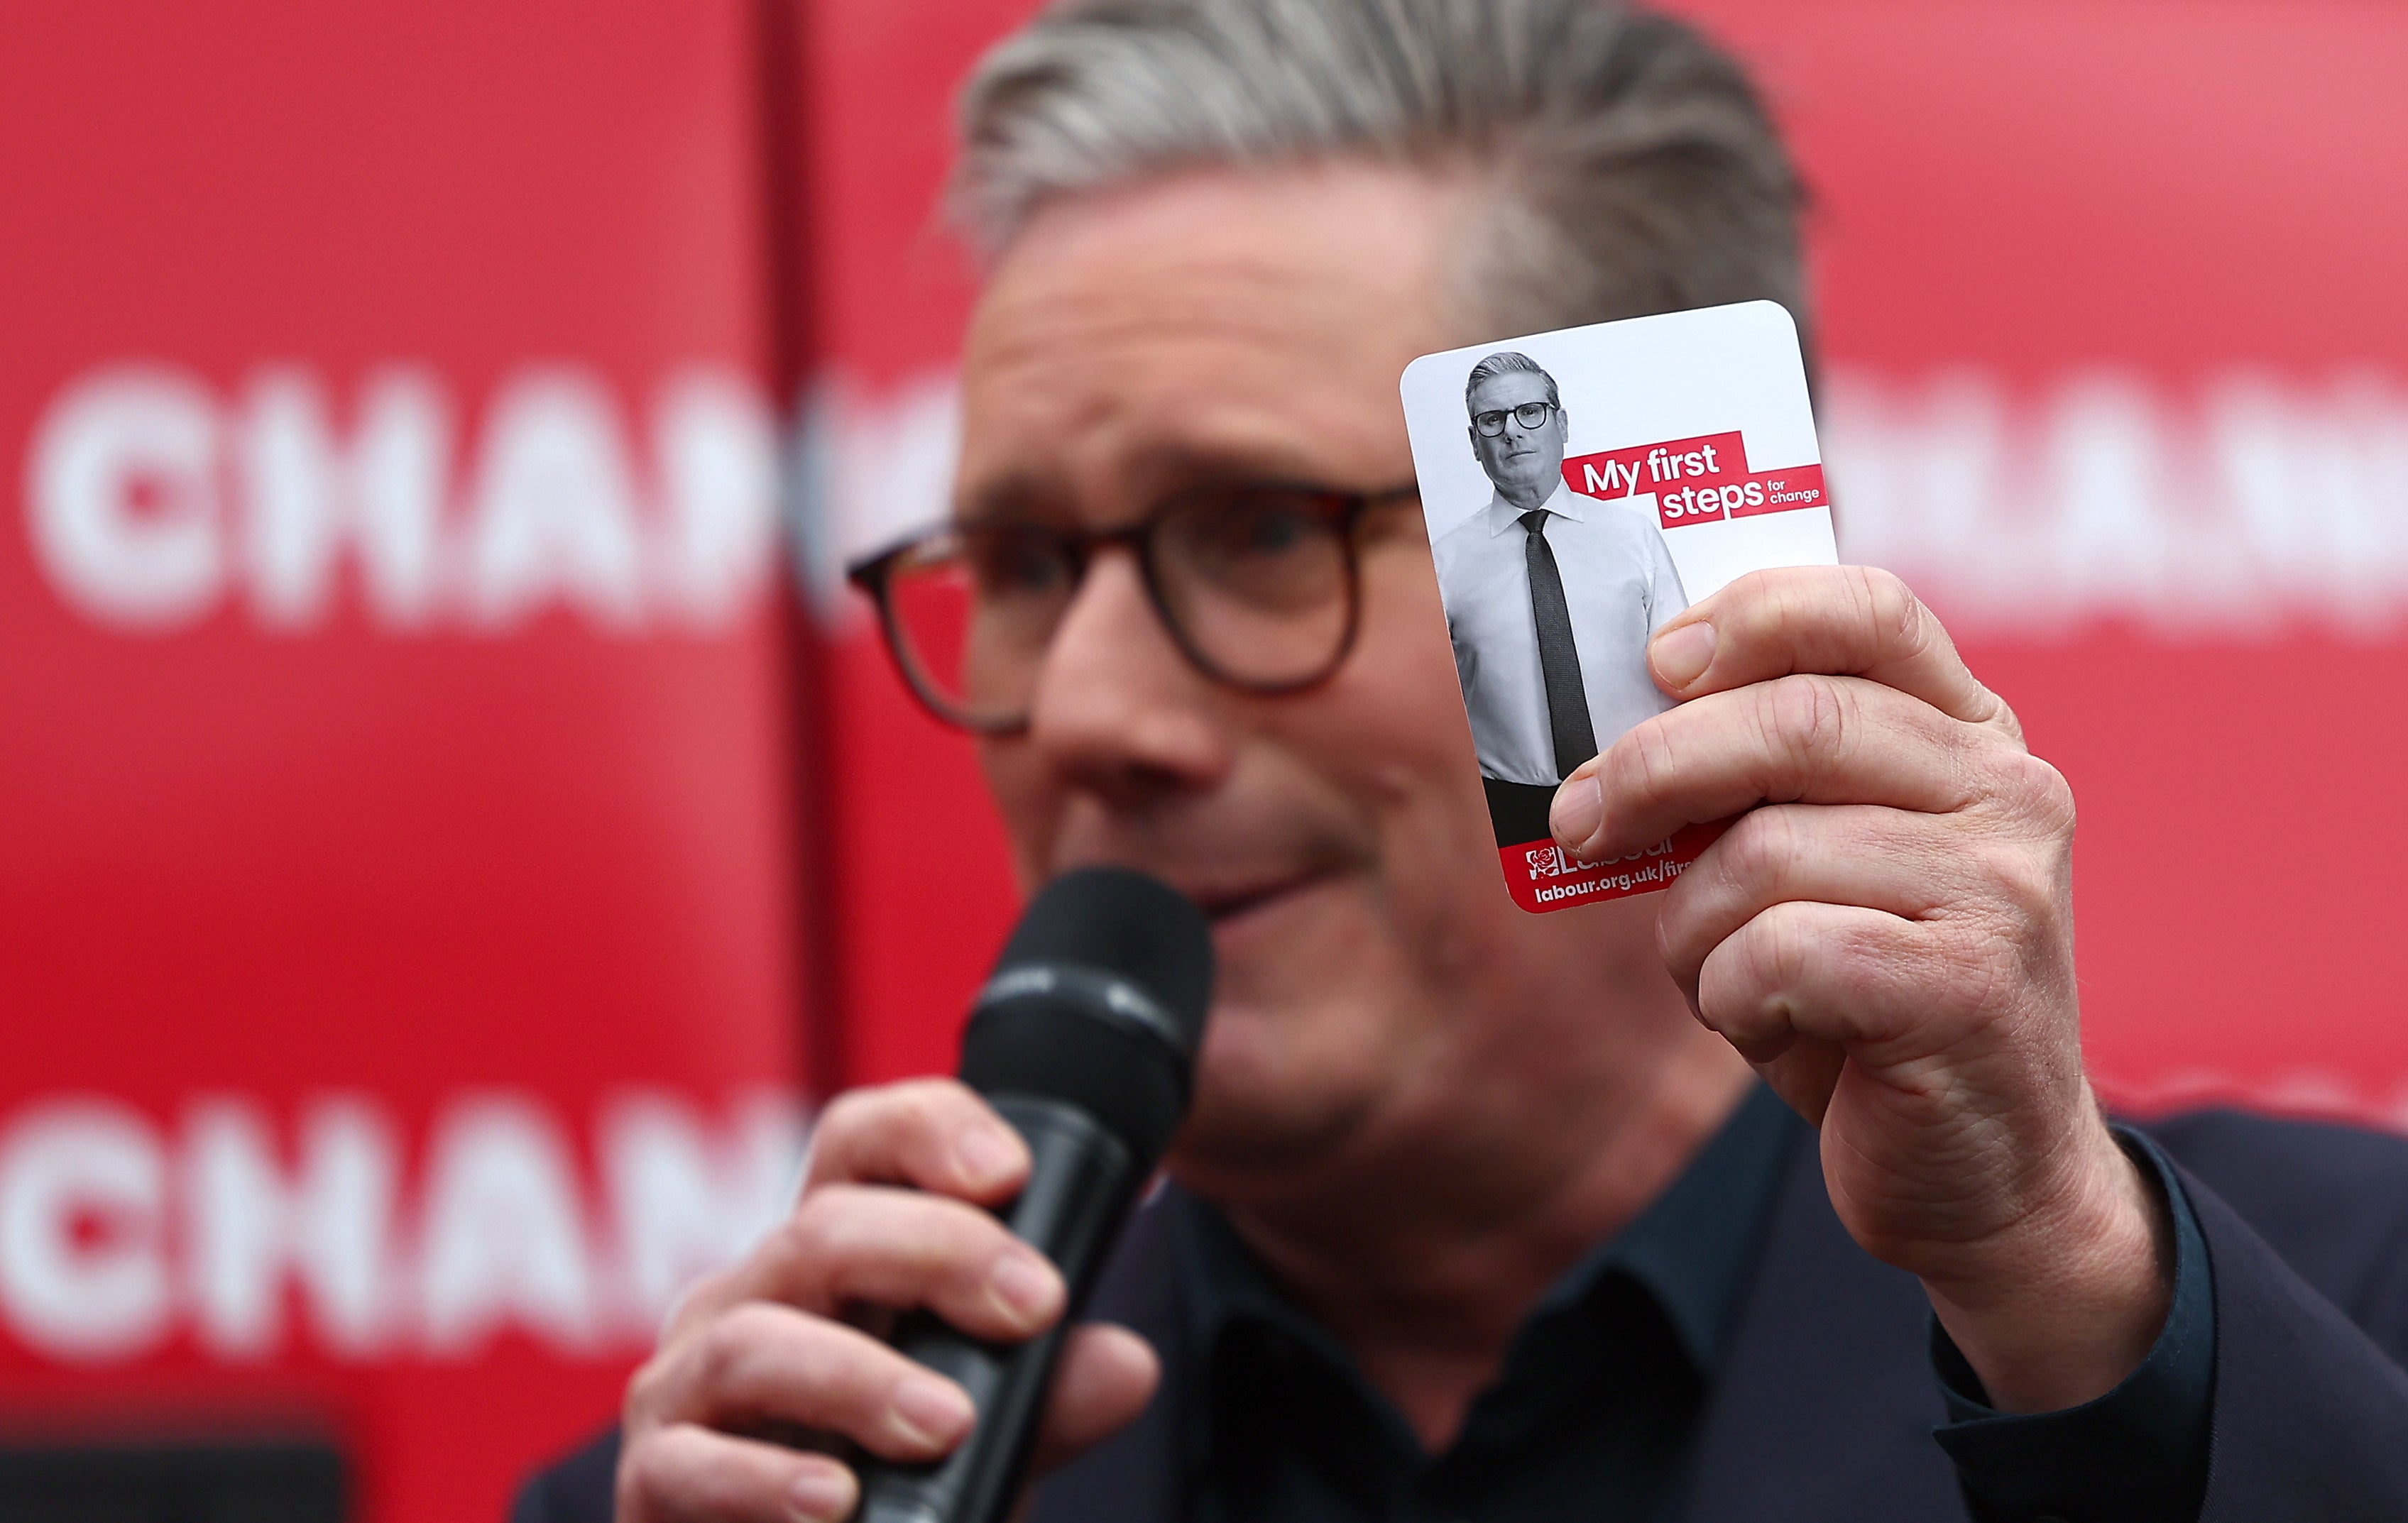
(1016, 568)
(1269, 531)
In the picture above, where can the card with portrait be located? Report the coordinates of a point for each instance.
(1582, 487)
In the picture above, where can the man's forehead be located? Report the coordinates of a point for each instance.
(1225, 315)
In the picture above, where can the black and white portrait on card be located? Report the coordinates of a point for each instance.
(1581, 488)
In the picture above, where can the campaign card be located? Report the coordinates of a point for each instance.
(1581, 487)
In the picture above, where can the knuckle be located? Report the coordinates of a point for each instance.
(1760, 848)
(1807, 721)
(1774, 956)
(1674, 948)
(848, 1113)
(714, 1287)
(2004, 719)
(2035, 790)
(1643, 764)
(2016, 903)
(823, 1227)
(1899, 623)
(720, 1352)
(652, 1391)
(1778, 607)
(916, 1108)
(2052, 796)
(933, 1109)
(906, 1108)
(1793, 950)
(726, 1350)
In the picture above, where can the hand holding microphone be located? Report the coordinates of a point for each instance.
(1084, 1040)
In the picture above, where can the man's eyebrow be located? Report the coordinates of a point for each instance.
(1150, 475)
(1012, 499)
(1176, 466)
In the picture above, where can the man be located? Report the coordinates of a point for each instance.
(1550, 597)
(1479, 1214)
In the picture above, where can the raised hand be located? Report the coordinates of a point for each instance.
(1887, 932)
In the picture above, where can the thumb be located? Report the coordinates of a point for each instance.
(1106, 1376)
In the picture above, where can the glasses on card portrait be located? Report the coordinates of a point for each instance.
(1529, 415)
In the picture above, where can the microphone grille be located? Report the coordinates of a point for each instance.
(1099, 1002)
(1125, 923)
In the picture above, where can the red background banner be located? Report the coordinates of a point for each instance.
(439, 854)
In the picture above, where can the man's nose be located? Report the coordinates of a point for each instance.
(1117, 708)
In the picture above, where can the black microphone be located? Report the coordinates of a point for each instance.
(1084, 1040)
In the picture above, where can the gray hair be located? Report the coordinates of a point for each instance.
(1498, 365)
(1634, 166)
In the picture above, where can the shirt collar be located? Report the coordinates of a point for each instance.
(1694, 1248)
(1563, 502)
(1691, 1250)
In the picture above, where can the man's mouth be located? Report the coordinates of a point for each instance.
(1223, 904)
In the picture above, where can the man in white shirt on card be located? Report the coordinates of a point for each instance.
(1550, 595)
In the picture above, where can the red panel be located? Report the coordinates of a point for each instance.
(487, 869)
(891, 292)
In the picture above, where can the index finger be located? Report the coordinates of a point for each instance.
(934, 1134)
(1821, 620)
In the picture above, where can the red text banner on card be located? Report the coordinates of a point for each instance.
(1700, 480)
(1542, 878)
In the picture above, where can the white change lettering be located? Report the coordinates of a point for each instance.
(505, 1236)
(83, 1263)
(252, 1225)
(312, 495)
(262, 1233)
(122, 497)
(153, 502)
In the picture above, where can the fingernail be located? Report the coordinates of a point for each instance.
(1578, 810)
(820, 1495)
(987, 1157)
(1681, 656)
(1027, 1289)
(929, 1412)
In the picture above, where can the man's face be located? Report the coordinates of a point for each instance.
(1212, 327)
(1520, 457)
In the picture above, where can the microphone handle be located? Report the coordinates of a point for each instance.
(1081, 1182)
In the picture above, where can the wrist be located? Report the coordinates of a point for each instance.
(2058, 1309)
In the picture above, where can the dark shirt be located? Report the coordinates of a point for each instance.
(1600, 1390)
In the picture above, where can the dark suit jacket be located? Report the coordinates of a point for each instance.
(1824, 1408)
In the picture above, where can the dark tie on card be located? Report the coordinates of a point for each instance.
(1558, 661)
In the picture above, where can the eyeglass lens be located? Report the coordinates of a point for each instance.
(1254, 582)
(1528, 415)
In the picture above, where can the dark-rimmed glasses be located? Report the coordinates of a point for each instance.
(1529, 415)
(1257, 585)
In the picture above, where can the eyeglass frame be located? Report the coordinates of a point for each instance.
(873, 572)
(1500, 413)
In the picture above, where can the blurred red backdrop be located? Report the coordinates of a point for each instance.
(398, 895)
(415, 791)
